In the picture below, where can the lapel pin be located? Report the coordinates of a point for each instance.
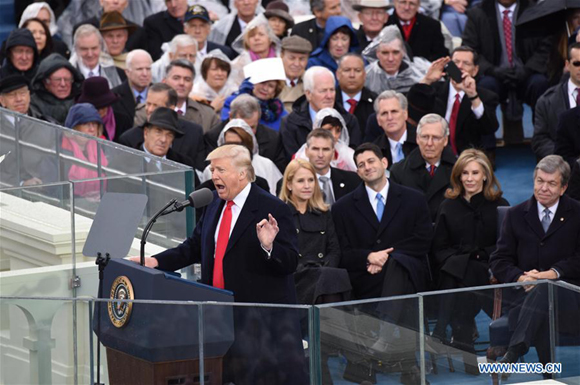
(370, 100)
(342, 185)
(561, 219)
(310, 30)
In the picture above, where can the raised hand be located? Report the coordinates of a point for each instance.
(267, 231)
(436, 70)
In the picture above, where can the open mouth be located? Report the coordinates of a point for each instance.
(219, 187)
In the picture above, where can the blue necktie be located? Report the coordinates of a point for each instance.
(546, 220)
(380, 206)
(399, 153)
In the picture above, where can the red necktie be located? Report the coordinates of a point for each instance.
(352, 103)
(432, 169)
(292, 84)
(453, 122)
(507, 33)
(179, 112)
(221, 246)
(407, 30)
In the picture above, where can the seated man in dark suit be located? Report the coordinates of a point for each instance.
(469, 109)
(568, 136)
(421, 32)
(515, 71)
(399, 137)
(229, 27)
(319, 93)
(539, 240)
(247, 108)
(133, 91)
(189, 145)
(254, 255)
(373, 16)
(351, 92)
(555, 101)
(385, 232)
(313, 29)
(163, 26)
(198, 25)
(428, 168)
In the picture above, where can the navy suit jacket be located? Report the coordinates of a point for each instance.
(247, 270)
(405, 225)
(523, 245)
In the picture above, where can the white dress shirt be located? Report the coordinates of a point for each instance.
(572, 93)
(239, 202)
(85, 70)
(393, 144)
(478, 112)
(552, 209)
(373, 196)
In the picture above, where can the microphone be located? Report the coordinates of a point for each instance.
(197, 199)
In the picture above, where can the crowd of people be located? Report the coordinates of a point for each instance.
(377, 132)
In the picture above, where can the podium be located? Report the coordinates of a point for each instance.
(152, 343)
(158, 343)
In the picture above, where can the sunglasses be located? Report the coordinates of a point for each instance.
(575, 63)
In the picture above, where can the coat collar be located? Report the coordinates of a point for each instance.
(362, 204)
(532, 217)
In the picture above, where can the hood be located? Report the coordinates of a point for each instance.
(82, 113)
(22, 36)
(332, 24)
(323, 113)
(243, 125)
(52, 63)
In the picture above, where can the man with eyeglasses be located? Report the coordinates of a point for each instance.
(428, 168)
(15, 96)
(553, 103)
(373, 16)
(55, 87)
(422, 33)
(468, 108)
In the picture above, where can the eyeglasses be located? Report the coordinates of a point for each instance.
(575, 63)
(435, 139)
(60, 80)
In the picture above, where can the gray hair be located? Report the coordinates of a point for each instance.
(182, 40)
(131, 55)
(87, 30)
(180, 63)
(432, 119)
(244, 107)
(317, 5)
(552, 163)
(390, 94)
(312, 73)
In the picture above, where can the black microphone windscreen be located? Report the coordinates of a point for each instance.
(201, 198)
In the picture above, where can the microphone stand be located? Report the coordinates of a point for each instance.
(149, 225)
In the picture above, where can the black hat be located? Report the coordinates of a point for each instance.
(13, 82)
(97, 92)
(197, 12)
(165, 118)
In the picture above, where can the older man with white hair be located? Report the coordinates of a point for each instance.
(91, 58)
(391, 68)
(319, 93)
(181, 47)
(133, 91)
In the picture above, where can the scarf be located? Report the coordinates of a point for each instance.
(79, 173)
(271, 53)
(109, 123)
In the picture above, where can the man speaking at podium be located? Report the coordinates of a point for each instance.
(246, 243)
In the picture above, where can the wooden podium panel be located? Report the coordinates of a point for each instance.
(126, 369)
